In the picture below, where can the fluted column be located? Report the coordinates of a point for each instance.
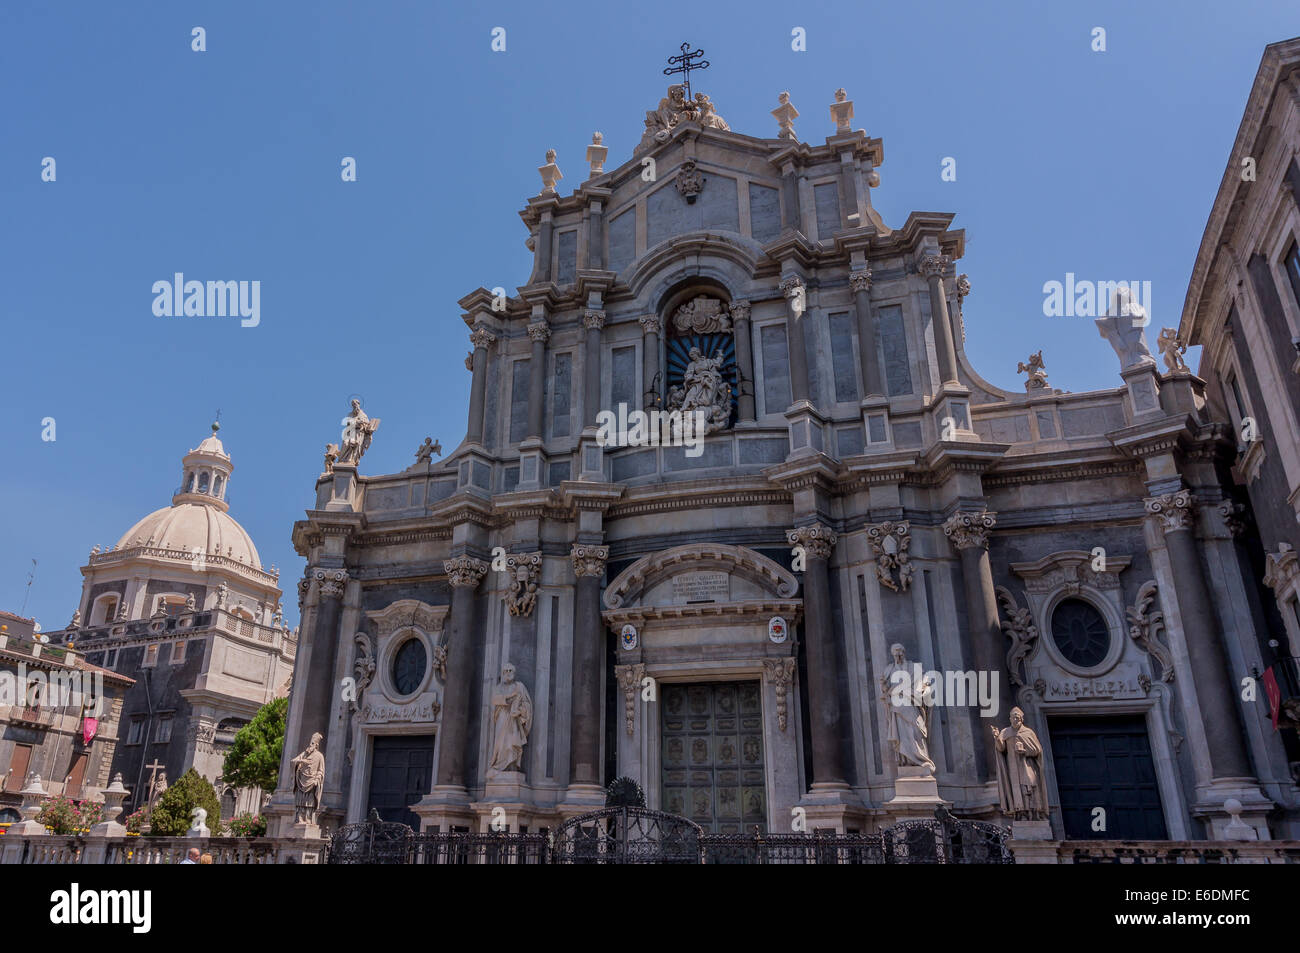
(969, 534)
(318, 687)
(654, 389)
(933, 267)
(540, 335)
(817, 541)
(588, 664)
(464, 573)
(1211, 666)
(860, 282)
(592, 322)
(482, 339)
(796, 304)
(744, 361)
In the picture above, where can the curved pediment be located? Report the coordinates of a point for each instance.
(708, 571)
(725, 257)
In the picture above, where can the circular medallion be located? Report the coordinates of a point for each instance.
(776, 629)
(628, 636)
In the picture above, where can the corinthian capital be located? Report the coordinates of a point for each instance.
(649, 323)
(539, 331)
(589, 560)
(933, 266)
(594, 320)
(464, 571)
(817, 540)
(1175, 510)
(739, 310)
(860, 280)
(482, 337)
(967, 529)
(792, 287)
(330, 582)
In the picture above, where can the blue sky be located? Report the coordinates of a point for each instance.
(225, 165)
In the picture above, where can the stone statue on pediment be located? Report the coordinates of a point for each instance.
(1022, 795)
(1123, 329)
(358, 429)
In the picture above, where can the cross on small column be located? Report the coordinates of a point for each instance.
(153, 774)
(683, 64)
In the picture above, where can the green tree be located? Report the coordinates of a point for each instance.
(253, 760)
(173, 813)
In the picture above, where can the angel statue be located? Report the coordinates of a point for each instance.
(1036, 370)
(1172, 349)
(357, 432)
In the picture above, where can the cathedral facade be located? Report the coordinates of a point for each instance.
(735, 517)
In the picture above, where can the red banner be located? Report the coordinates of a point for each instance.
(91, 725)
(1274, 694)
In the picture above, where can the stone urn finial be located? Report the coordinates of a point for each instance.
(596, 153)
(842, 112)
(550, 173)
(785, 115)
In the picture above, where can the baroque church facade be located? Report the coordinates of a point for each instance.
(182, 605)
(495, 636)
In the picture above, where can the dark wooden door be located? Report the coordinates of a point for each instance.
(712, 747)
(1106, 762)
(401, 772)
(18, 764)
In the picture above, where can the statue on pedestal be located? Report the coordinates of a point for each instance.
(1021, 791)
(512, 719)
(908, 707)
(308, 781)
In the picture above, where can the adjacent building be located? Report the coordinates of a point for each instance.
(717, 605)
(1243, 308)
(183, 606)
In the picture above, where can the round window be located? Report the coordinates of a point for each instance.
(409, 665)
(1080, 633)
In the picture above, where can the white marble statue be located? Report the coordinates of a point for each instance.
(358, 429)
(703, 388)
(308, 781)
(512, 719)
(1021, 792)
(908, 707)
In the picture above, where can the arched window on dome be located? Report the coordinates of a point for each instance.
(189, 482)
(104, 610)
(171, 603)
(203, 482)
(243, 612)
(217, 483)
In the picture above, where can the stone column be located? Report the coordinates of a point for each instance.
(796, 305)
(592, 322)
(482, 339)
(817, 541)
(318, 687)
(790, 213)
(540, 334)
(860, 282)
(933, 267)
(464, 573)
(744, 361)
(588, 665)
(1211, 667)
(654, 390)
(544, 232)
(969, 534)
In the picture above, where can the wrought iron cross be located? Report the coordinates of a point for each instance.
(683, 64)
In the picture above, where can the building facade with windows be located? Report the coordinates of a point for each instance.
(719, 610)
(59, 718)
(1243, 308)
(182, 605)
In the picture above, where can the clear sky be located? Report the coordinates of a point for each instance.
(225, 164)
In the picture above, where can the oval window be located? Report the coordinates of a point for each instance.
(409, 664)
(1080, 633)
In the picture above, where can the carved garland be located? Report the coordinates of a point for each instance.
(780, 672)
(629, 679)
(1020, 628)
(1145, 627)
(524, 568)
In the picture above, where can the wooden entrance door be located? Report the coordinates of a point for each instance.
(1106, 762)
(401, 772)
(712, 744)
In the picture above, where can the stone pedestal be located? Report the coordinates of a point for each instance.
(532, 464)
(807, 430)
(1032, 830)
(1143, 389)
(877, 433)
(916, 794)
(307, 852)
(343, 489)
(1227, 804)
(591, 457)
(446, 807)
(831, 805)
(581, 799)
(1032, 842)
(302, 831)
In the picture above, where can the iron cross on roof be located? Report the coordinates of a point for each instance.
(683, 64)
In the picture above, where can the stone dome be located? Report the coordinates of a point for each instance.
(191, 526)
